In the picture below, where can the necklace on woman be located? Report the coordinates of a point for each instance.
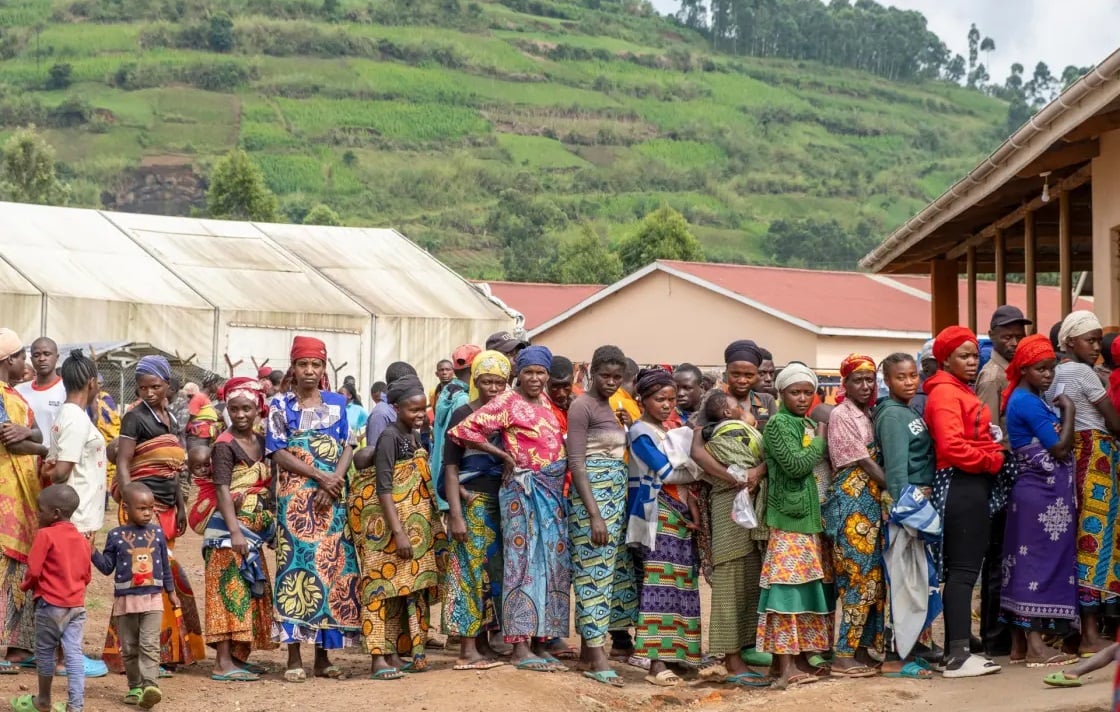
(310, 401)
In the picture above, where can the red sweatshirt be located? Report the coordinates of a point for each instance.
(59, 569)
(961, 427)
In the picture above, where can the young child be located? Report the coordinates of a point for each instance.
(58, 572)
(137, 554)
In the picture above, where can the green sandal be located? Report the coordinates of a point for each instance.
(387, 674)
(607, 677)
(1059, 679)
(133, 696)
(26, 703)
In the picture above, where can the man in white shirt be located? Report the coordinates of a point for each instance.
(44, 393)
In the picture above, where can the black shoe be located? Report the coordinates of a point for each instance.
(932, 655)
(975, 645)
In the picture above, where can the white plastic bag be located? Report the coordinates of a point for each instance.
(742, 511)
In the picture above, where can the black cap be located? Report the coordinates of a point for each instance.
(1008, 315)
(504, 342)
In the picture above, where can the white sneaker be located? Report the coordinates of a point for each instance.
(974, 666)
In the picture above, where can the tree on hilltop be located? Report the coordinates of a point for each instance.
(27, 173)
(587, 260)
(238, 191)
(663, 235)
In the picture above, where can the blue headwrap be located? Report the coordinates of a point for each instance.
(534, 356)
(154, 366)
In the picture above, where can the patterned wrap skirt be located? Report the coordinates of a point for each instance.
(794, 613)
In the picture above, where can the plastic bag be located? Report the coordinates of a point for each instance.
(742, 511)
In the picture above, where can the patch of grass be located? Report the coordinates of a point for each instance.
(683, 154)
(539, 152)
(393, 120)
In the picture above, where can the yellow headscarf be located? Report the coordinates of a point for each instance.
(488, 363)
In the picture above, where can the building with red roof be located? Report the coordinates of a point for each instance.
(671, 312)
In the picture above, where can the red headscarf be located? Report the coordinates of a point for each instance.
(1114, 377)
(851, 364)
(1030, 351)
(949, 340)
(249, 388)
(308, 347)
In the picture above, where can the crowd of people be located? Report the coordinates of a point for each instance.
(832, 535)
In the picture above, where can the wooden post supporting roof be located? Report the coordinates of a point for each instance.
(971, 269)
(1000, 247)
(1065, 253)
(1030, 266)
(945, 305)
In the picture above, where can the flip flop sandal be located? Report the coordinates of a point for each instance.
(535, 665)
(556, 665)
(912, 671)
(165, 673)
(387, 674)
(565, 653)
(295, 675)
(26, 703)
(801, 678)
(150, 697)
(250, 667)
(333, 672)
(859, 671)
(712, 668)
(235, 676)
(133, 696)
(665, 678)
(1061, 679)
(479, 665)
(1054, 661)
(7, 668)
(820, 661)
(748, 679)
(607, 677)
(1016, 661)
(27, 663)
(417, 665)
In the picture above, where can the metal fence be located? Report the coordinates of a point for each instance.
(116, 364)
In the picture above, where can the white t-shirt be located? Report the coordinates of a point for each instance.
(44, 403)
(1083, 386)
(75, 439)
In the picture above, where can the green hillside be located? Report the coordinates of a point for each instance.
(418, 114)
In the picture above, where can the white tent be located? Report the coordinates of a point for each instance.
(419, 306)
(219, 289)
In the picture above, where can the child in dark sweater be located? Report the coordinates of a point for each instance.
(137, 554)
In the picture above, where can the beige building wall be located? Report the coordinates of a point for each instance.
(831, 350)
(664, 319)
(1106, 229)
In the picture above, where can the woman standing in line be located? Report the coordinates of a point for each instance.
(238, 606)
(471, 482)
(1039, 594)
(537, 579)
(606, 597)
(1096, 453)
(662, 520)
(853, 517)
(149, 451)
(795, 617)
(308, 439)
(400, 538)
(969, 458)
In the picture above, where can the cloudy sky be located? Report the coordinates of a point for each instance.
(1058, 32)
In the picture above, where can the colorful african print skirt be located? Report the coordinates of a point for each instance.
(17, 610)
(603, 576)
(232, 612)
(474, 571)
(1097, 459)
(316, 568)
(733, 618)
(396, 594)
(853, 518)
(794, 613)
(536, 585)
(668, 626)
(180, 631)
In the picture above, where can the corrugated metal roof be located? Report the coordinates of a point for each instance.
(235, 266)
(540, 302)
(386, 272)
(71, 252)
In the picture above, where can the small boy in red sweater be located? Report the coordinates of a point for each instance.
(58, 571)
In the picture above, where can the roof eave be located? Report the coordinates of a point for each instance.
(1082, 99)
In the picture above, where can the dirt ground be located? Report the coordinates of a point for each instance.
(508, 690)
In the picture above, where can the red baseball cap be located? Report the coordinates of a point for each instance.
(463, 356)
